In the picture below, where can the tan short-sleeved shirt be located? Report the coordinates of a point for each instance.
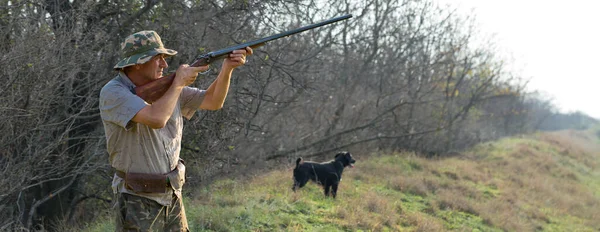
(135, 147)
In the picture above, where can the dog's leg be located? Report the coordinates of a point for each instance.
(327, 188)
(296, 182)
(334, 188)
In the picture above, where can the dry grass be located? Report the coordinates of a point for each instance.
(520, 188)
(538, 181)
(424, 223)
(413, 185)
(580, 146)
(546, 182)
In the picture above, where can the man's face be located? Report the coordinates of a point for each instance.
(153, 69)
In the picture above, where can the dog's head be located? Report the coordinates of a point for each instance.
(346, 158)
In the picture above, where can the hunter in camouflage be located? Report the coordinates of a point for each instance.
(143, 140)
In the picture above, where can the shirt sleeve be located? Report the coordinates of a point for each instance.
(191, 99)
(119, 105)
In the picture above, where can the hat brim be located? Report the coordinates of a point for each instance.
(143, 57)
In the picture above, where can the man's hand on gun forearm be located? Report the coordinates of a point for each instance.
(237, 58)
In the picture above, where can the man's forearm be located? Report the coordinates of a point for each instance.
(166, 104)
(217, 91)
(158, 113)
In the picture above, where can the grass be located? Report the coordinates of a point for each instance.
(542, 182)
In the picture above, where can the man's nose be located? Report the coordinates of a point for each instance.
(163, 63)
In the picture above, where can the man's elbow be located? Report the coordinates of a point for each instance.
(157, 124)
(207, 105)
(146, 118)
(214, 107)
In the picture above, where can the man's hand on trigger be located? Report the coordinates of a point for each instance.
(186, 75)
(237, 58)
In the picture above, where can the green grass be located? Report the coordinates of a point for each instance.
(542, 182)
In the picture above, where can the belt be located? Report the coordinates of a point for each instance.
(123, 175)
(145, 183)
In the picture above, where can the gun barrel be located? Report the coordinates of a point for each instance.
(259, 42)
(288, 33)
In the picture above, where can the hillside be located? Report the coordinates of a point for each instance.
(541, 182)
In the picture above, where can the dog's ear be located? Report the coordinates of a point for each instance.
(299, 161)
(341, 154)
(348, 155)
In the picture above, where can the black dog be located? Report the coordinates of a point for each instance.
(327, 174)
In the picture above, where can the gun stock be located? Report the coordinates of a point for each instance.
(152, 91)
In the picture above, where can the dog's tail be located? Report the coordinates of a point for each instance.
(298, 162)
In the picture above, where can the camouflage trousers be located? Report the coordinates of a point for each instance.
(135, 213)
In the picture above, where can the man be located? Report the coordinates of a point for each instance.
(144, 140)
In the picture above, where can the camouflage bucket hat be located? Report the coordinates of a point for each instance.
(140, 47)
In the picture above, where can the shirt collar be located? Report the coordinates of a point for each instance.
(125, 80)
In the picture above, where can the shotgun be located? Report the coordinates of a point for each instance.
(152, 91)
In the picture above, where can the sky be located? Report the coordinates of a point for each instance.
(553, 44)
